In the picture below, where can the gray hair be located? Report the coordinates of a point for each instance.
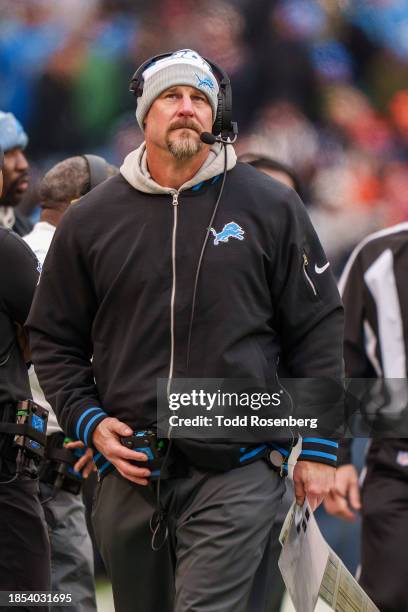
(66, 181)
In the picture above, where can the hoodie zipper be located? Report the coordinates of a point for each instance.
(309, 280)
(159, 508)
(173, 290)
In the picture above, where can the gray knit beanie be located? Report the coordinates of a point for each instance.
(12, 134)
(185, 67)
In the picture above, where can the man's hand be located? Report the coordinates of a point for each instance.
(312, 480)
(106, 439)
(345, 495)
(84, 463)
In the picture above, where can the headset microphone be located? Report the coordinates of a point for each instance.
(210, 139)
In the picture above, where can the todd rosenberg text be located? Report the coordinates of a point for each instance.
(249, 420)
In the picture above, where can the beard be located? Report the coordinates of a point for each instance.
(12, 192)
(185, 145)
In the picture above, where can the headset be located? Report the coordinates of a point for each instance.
(97, 169)
(223, 123)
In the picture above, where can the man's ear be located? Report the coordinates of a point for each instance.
(145, 118)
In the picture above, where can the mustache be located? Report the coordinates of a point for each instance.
(192, 125)
(24, 175)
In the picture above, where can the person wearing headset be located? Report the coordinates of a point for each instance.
(72, 567)
(187, 264)
(24, 545)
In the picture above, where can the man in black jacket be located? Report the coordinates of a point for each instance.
(186, 265)
(25, 555)
(13, 141)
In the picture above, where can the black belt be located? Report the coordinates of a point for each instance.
(222, 457)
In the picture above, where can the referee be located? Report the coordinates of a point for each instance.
(374, 291)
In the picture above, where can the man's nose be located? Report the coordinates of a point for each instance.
(21, 161)
(186, 106)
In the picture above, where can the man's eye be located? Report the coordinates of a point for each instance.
(171, 95)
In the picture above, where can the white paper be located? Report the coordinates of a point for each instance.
(311, 570)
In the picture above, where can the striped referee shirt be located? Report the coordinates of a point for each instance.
(374, 289)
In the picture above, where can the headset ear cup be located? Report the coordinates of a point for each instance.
(136, 87)
(97, 168)
(218, 123)
(227, 107)
(223, 120)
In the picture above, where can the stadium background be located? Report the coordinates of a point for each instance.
(321, 85)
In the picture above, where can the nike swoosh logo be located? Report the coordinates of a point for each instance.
(322, 269)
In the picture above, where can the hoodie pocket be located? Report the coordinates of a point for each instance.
(310, 285)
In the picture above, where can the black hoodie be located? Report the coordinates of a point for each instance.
(107, 284)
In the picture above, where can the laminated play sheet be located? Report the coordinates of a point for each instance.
(311, 570)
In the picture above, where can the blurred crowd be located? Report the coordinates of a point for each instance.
(321, 85)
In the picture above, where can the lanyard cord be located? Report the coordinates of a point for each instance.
(210, 224)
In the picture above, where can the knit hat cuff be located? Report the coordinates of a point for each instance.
(12, 134)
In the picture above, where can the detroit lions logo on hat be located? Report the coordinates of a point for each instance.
(230, 230)
(207, 82)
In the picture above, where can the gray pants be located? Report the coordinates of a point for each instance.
(217, 556)
(72, 568)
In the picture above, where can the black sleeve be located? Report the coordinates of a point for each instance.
(18, 275)
(309, 318)
(60, 324)
(305, 294)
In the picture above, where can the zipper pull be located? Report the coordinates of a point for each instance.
(175, 198)
(309, 280)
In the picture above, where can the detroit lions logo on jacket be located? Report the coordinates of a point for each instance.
(230, 230)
